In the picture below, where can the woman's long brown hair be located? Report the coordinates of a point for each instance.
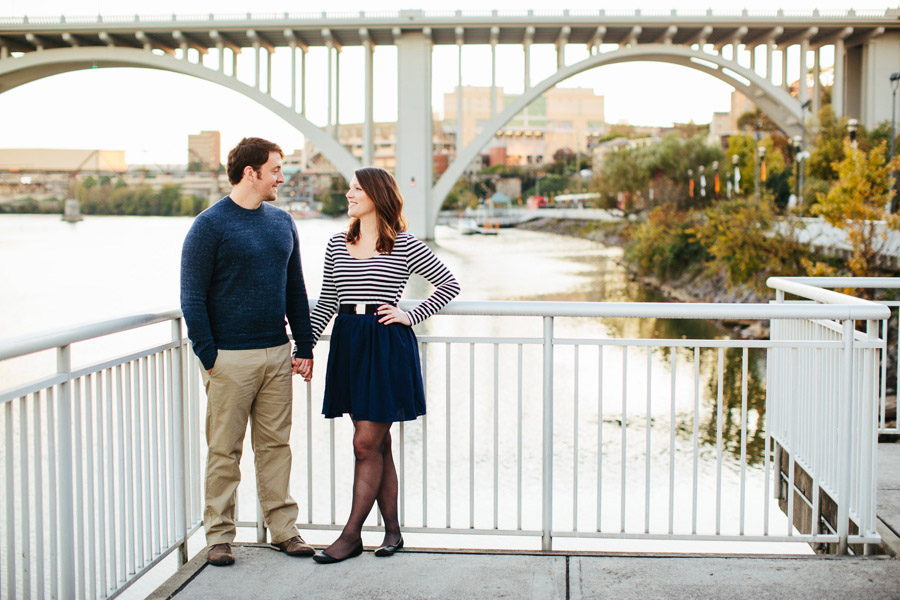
(381, 187)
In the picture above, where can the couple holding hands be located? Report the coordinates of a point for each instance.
(240, 277)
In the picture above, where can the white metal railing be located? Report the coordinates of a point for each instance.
(445, 14)
(612, 437)
(824, 400)
(101, 461)
(891, 337)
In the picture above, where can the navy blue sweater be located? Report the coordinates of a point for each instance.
(240, 276)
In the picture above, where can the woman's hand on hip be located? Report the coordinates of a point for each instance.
(391, 314)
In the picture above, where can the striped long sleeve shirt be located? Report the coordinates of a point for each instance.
(380, 279)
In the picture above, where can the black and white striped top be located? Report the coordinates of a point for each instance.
(380, 279)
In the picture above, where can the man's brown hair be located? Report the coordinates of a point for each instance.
(381, 187)
(252, 152)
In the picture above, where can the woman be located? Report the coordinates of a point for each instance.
(373, 364)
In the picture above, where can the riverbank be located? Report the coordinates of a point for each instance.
(692, 286)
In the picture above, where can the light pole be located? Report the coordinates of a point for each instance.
(701, 170)
(760, 168)
(737, 174)
(715, 166)
(798, 166)
(803, 154)
(852, 127)
(895, 81)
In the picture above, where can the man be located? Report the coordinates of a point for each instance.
(240, 277)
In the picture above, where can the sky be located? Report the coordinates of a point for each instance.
(149, 113)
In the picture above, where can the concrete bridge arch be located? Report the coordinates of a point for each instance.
(46, 63)
(782, 108)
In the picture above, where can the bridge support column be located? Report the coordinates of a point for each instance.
(414, 137)
(802, 90)
(880, 59)
(837, 89)
(817, 82)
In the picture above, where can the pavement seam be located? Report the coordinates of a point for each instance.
(886, 524)
(189, 579)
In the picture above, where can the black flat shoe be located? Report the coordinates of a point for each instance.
(326, 559)
(389, 549)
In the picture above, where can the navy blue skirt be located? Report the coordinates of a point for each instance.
(374, 372)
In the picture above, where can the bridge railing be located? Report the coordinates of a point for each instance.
(825, 407)
(890, 337)
(534, 430)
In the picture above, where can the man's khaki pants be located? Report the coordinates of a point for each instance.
(254, 384)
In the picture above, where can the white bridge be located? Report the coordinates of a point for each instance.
(723, 45)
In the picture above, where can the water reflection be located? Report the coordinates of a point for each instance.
(732, 399)
(609, 281)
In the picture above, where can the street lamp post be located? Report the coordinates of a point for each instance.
(715, 166)
(852, 127)
(895, 81)
(737, 174)
(761, 154)
(798, 166)
(701, 170)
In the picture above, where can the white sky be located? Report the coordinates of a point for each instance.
(149, 114)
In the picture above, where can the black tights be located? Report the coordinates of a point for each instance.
(374, 478)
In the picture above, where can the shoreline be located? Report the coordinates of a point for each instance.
(689, 288)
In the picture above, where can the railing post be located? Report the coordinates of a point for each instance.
(843, 512)
(260, 524)
(66, 491)
(547, 464)
(868, 414)
(179, 438)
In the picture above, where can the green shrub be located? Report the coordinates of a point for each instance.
(664, 244)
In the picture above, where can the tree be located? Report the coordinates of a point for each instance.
(741, 237)
(334, 201)
(856, 203)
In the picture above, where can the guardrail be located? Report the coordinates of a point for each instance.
(890, 338)
(568, 450)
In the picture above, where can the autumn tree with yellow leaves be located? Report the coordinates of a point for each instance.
(857, 203)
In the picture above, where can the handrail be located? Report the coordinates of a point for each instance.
(841, 307)
(846, 282)
(54, 338)
(439, 14)
(798, 287)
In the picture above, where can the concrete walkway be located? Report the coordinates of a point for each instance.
(261, 572)
(888, 498)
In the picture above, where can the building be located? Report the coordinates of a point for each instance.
(54, 160)
(48, 172)
(561, 118)
(385, 141)
(205, 151)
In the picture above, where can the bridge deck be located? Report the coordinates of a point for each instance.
(263, 572)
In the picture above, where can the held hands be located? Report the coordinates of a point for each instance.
(391, 314)
(302, 367)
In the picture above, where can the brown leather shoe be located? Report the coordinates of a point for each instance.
(295, 547)
(220, 555)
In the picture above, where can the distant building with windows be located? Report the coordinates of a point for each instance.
(384, 137)
(205, 151)
(561, 118)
